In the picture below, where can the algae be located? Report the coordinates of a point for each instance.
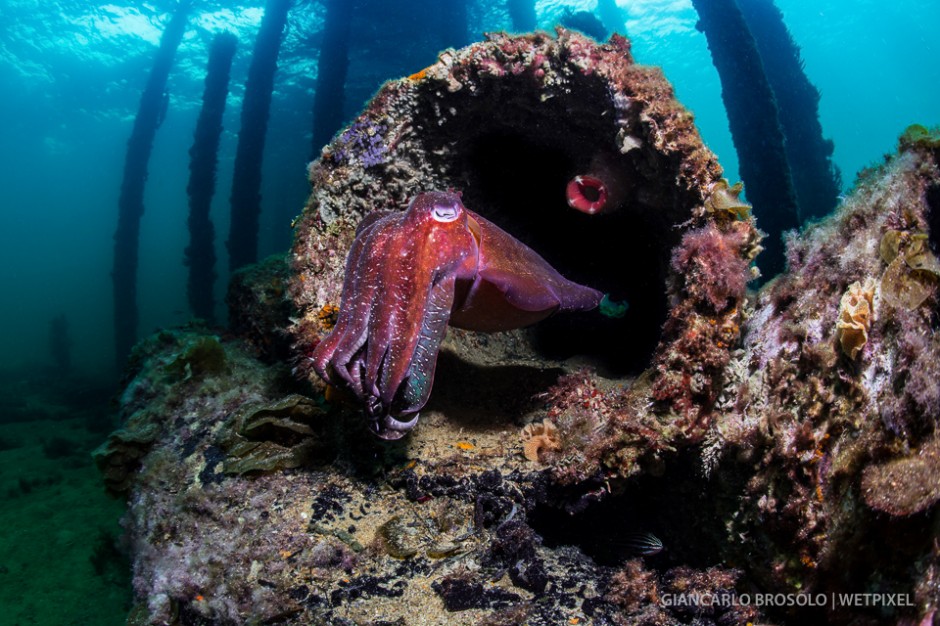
(271, 436)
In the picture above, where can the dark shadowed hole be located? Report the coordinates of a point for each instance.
(590, 193)
(512, 145)
(680, 507)
(519, 183)
(693, 515)
(933, 217)
(509, 391)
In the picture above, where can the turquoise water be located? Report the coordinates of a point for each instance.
(71, 76)
(72, 73)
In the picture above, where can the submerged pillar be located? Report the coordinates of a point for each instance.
(203, 160)
(331, 73)
(612, 16)
(755, 125)
(153, 104)
(522, 14)
(454, 27)
(60, 343)
(246, 185)
(815, 178)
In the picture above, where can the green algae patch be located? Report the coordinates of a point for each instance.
(204, 356)
(919, 136)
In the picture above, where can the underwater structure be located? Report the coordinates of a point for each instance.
(153, 104)
(453, 27)
(246, 180)
(591, 468)
(60, 343)
(203, 160)
(585, 22)
(612, 16)
(816, 179)
(522, 15)
(331, 73)
(773, 112)
(754, 122)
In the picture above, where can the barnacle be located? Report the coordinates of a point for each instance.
(539, 437)
(855, 313)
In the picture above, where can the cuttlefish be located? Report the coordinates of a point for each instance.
(410, 274)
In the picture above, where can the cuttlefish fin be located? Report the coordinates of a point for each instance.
(514, 286)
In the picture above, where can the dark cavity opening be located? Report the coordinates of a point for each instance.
(681, 508)
(520, 184)
(512, 156)
(933, 217)
(590, 193)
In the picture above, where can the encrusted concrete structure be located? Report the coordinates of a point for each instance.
(765, 450)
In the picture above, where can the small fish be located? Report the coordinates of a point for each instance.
(643, 544)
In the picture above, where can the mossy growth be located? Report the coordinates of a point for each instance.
(919, 136)
(904, 486)
(202, 357)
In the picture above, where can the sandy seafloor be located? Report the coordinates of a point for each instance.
(58, 559)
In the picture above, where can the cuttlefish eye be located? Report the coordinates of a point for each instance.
(445, 212)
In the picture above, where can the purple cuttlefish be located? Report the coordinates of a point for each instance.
(408, 275)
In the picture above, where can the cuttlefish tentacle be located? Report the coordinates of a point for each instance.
(435, 241)
(407, 390)
(410, 274)
(351, 331)
(344, 354)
